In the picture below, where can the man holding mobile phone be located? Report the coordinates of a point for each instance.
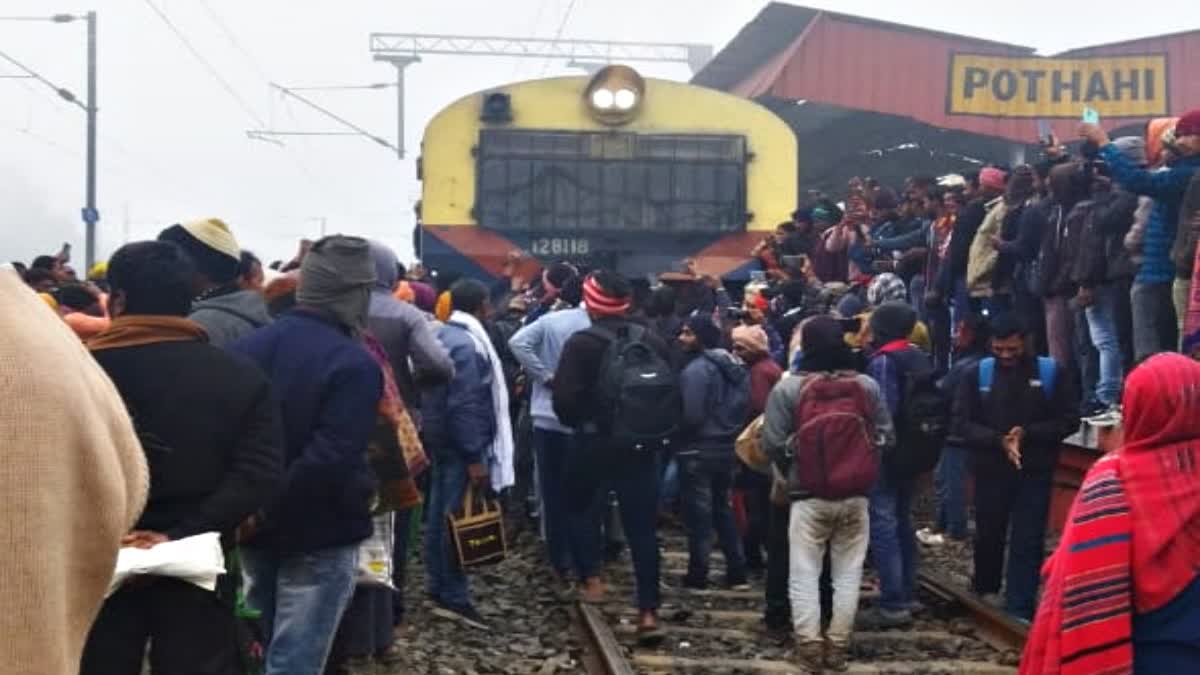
(1155, 327)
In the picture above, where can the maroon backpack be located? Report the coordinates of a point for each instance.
(834, 453)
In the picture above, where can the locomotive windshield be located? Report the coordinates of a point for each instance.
(563, 181)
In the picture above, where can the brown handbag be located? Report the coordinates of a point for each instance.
(477, 530)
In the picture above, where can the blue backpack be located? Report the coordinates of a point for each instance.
(1047, 374)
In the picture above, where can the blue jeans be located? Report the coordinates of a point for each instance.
(302, 597)
(893, 541)
(950, 483)
(636, 485)
(705, 485)
(916, 297)
(445, 580)
(573, 539)
(1102, 324)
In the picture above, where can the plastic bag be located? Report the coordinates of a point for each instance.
(197, 560)
(375, 553)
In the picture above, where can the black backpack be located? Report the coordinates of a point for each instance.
(640, 405)
(923, 420)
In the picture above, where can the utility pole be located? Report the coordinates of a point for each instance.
(90, 214)
(400, 62)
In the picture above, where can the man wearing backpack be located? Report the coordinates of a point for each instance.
(824, 430)
(615, 387)
(716, 400)
(1012, 413)
(905, 376)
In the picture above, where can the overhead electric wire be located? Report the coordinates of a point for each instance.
(249, 110)
(212, 70)
(562, 25)
(62, 92)
(233, 40)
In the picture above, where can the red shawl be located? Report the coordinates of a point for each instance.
(1134, 526)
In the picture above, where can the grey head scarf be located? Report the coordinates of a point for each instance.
(336, 276)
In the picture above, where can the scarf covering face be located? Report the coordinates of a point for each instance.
(337, 276)
(600, 303)
(1133, 535)
(137, 330)
(500, 458)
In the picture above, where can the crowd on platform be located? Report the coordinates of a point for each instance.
(963, 325)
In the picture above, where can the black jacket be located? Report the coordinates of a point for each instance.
(1102, 253)
(981, 422)
(210, 431)
(965, 227)
(574, 386)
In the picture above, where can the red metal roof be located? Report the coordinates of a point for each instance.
(894, 69)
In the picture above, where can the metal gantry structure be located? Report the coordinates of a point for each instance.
(404, 49)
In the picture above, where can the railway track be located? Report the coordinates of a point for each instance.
(720, 631)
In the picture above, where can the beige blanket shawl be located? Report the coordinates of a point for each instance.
(74, 480)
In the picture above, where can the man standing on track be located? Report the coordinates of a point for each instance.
(578, 397)
(716, 401)
(301, 565)
(1012, 412)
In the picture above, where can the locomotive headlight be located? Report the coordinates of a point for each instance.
(604, 99)
(625, 99)
(615, 95)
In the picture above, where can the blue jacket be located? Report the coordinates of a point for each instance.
(459, 422)
(538, 347)
(328, 388)
(716, 402)
(1167, 188)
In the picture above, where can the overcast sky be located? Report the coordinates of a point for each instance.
(172, 139)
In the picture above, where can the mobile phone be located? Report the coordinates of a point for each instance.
(1090, 115)
(1044, 132)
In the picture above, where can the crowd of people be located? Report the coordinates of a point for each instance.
(963, 325)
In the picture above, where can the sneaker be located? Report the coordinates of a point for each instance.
(692, 583)
(882, 619)
(737, 582)
(992, 600)
(810, 656)
(930, 538)
(464, 614)
(1109, 417)
(835, 656)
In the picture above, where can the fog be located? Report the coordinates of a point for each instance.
(173, 143)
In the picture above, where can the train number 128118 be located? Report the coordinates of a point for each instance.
(565, 246)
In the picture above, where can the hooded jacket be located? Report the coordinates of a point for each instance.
(538, 347)
(716, 401)
(231, 316)
(404, 332)
(1167, 188)
(458, 419)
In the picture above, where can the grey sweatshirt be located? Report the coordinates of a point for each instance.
(229, 317)
(779, 423)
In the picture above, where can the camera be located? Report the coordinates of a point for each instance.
(736, 313)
